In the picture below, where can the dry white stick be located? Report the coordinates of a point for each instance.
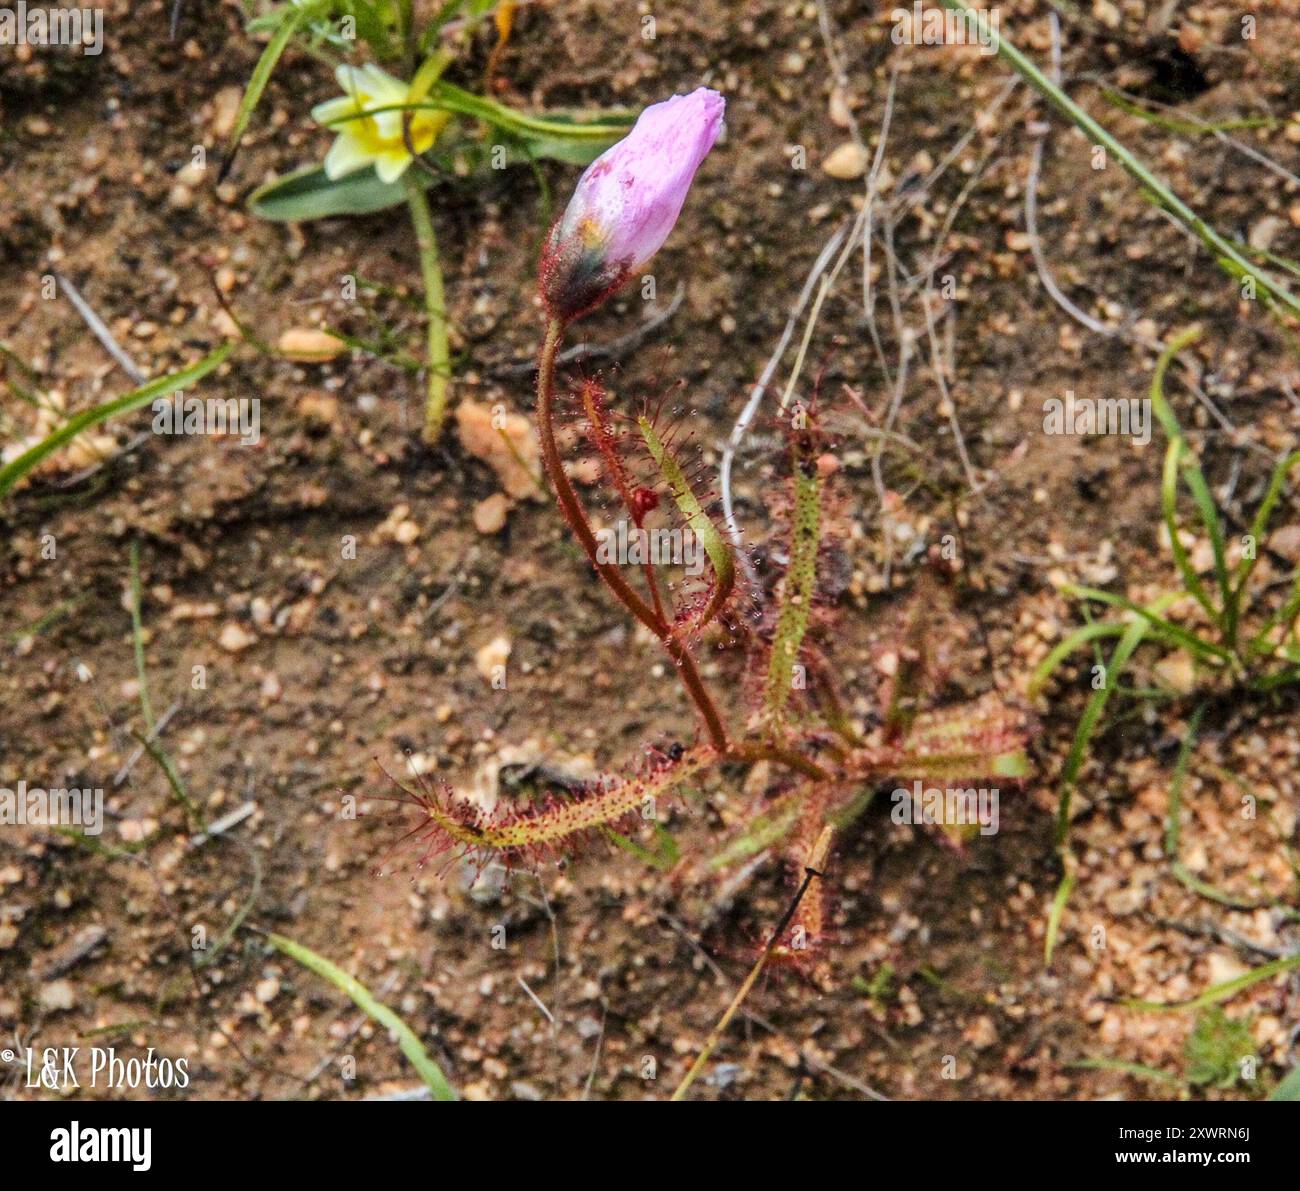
(747, 414)
(945, 396)
(840, 71)
(1255, 155)
(877, 471)
(822, 290)
(100, 330)
(595, 1058)
(873, 182)
(159, 724)
(1031, 215)
(224, 824)
(536, 1000)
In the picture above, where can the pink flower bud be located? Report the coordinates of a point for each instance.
(627, 201)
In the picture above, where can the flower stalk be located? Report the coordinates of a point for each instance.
(437, 348)
(380, 123)
(574, 514)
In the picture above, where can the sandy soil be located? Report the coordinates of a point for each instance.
(316, 662)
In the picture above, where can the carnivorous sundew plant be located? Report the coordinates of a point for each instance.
(821, 763)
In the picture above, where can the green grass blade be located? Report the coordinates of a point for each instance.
(1195, 480)
(43, 622)
(1281, 678)
(1188, 127)
(310, 193)
(1284, 616)
(1167, 628)
(1173, 825)
(1081, 636)
(1169, 507)
(1258, 529)
(602, 131)
(770, 826)
(193, 815)
(294, 16)
(1062, 896)
(1195, 885)
(1153, 189)
(1173, 828)
(1219, 992)
(854, 810)
(576, 139)
(1091, 717)
(137, 636)
(410, 1045)
(14, 471)
(663, 856)
(1159, 403)
(219, 943)
(1289, 1088)
(125, 851)
(1179, 460)
(1141, 1070)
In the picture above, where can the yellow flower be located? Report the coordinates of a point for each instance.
(374, 140)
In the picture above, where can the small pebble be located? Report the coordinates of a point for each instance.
(57, 996)
(845, 161)
(491, 656)
(310, 345)
(490, 513)
(235, 638)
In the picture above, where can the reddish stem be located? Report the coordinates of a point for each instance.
(754, 751)
(576, 517)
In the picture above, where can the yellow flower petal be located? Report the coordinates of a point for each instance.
(349, 78)
(392, 164)
(374, 138)
(347, 155)
(382, 85)
(333, 109)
